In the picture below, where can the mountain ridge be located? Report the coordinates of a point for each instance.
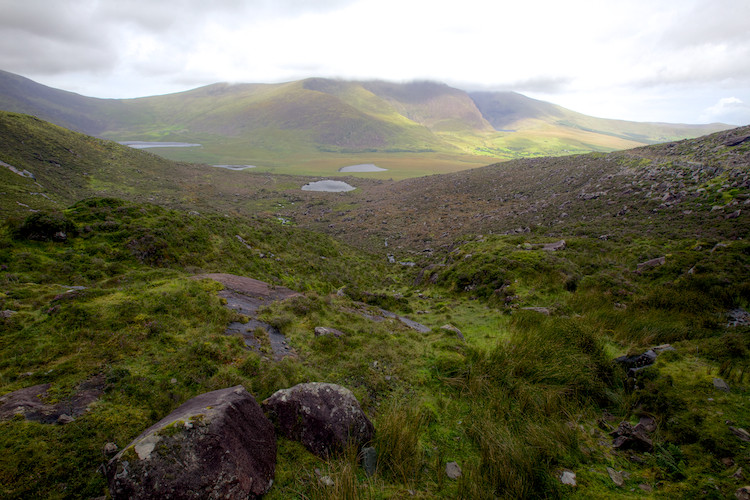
(317, 119)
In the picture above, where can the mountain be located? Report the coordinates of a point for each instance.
(318, 125)
(513, 111)
(512, 322)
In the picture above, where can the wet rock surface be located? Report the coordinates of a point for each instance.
(377, 314)
(216, 445)
(325, 418)
(30, 402)
(246, 296)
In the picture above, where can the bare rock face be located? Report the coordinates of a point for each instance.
(323, 417)
(216, 445)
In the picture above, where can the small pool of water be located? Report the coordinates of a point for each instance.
(328, 186)
(363, 167)
(235, 167)
(146, 145)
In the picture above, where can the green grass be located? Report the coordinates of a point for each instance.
(507, 403)
(513, 404)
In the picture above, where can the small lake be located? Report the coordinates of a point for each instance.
(363, 167)
(328, 186)
(146, 145)
(235, 167)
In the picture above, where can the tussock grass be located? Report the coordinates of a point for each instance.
(400, 454)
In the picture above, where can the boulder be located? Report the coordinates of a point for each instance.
(648, 424)
(540, 310)
(637, 361)
(568, 477)
(323, 417)
(616, 477)
(733, 215)
(322, 331)
(627, 437)
(216, 445)
(743, 493)
(553, 247)
(663, 348)
(649, 264)
(453, 470)
(740, 433)
(369, 460)
(450, 328)
(720, 385)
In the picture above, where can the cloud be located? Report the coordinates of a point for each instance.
(728, 110)
(592, 49)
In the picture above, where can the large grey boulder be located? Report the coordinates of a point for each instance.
(216, 445)
(323, 417)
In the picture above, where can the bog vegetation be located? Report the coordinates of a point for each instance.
(103, 287)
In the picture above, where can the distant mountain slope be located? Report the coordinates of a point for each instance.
(67, 109)
(692, 188)
(334, 121)
(434, 105)
(510, 111)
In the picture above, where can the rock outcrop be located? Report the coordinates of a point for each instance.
(30, 402)
(554, 247)
(216, 445)
(325, 418)
(246, 296)
(322, 331)
(650, 264)
(627, 437)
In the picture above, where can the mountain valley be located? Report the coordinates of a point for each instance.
(316, 126)
(558, 327)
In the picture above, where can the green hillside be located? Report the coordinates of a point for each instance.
(99, 294)
(510, 110)
(316, 126)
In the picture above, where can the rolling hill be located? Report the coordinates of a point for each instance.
(315, 126)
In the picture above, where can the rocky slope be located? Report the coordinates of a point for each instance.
(697, 187)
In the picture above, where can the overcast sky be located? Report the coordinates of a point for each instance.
(646, 60)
